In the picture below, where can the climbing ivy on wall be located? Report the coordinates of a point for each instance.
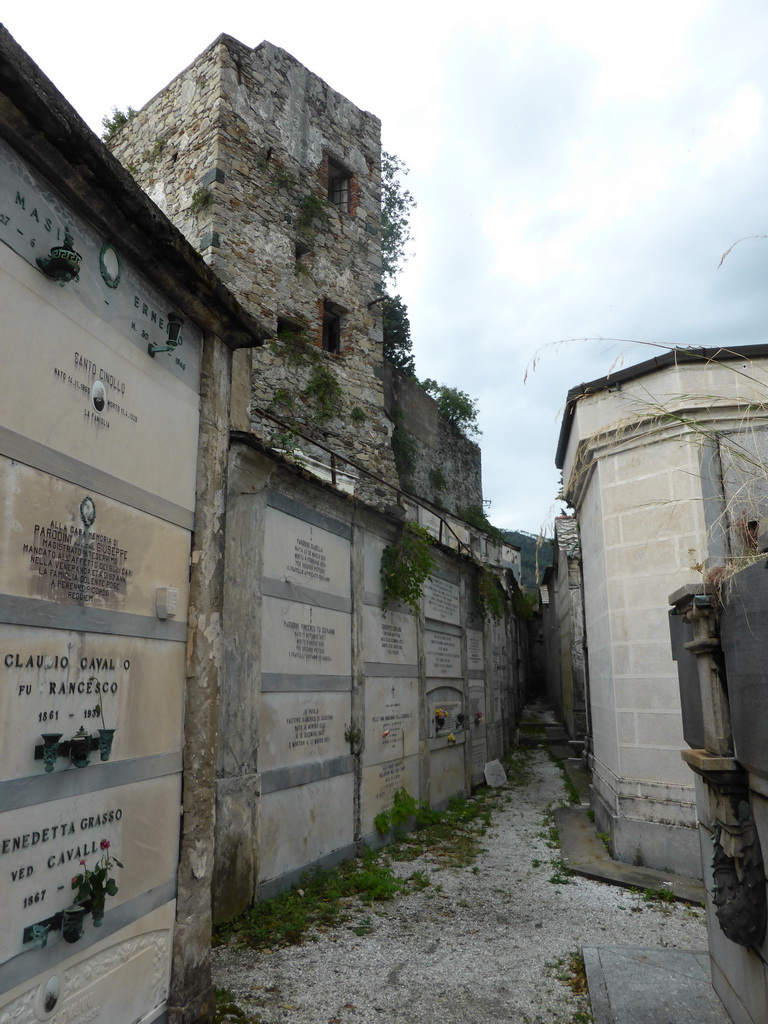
(489, 597)
(403, 446)
(324, 391)
(406, 565)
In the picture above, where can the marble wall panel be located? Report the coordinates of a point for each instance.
(446, 773)
(123, 977)
(441, 600)
(303, 554)
(91, 395)
(475, 659)
(55, 681)
(298, 826)
(301, 727)
(391, 719)
(300, 639)
(41, 848)
(381, 782)
(443, 654)
(389, 638)
(64, 544)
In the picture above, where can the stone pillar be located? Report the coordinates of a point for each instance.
(696, 609)
(191, 994)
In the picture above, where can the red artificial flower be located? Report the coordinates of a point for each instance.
(104, 844)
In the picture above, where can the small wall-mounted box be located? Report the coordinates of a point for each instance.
(166, 600)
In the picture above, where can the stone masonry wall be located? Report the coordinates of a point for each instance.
(236, 150)
(436, 461)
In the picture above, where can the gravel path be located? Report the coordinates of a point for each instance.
(479, 945)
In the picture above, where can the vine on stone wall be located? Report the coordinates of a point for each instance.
(475, 516)
(406, 565)
(296, 348)
(403, 446)
(489, 597)
(311, 209)
(325, 393)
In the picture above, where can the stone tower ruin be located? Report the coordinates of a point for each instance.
(275, 178)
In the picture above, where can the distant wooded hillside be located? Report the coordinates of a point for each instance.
(527, 542)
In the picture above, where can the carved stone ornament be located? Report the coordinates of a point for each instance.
(739, 876)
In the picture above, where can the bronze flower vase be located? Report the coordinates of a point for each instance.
(50, 749)
(72, 922)
(105, 743)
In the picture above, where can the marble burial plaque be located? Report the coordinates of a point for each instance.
(392, 721)
(33, 219)
(301, 727)
(381, 782)
(299, 639)
(495, 774)
(450, 703)
(298, 826)
(57, 681)
(298, 552)
(441, 600)
(92, 397)
(41, 848)
(475, 660)
(389, 637)
(443, 654)
(63, 544)
(123, 977)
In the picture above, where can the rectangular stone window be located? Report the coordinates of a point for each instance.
(331, 328)
(339, 186)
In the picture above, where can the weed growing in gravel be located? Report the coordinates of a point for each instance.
(658, 896)
(562, 874)
(518, 766)
(318, 902)
(571, 972)
(363, 927)
(452, 839)
(405, 808)
(550, 833)
(324, 899)
(228, 1010)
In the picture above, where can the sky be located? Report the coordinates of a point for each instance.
(579, 170)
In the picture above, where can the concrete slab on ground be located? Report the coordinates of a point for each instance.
(651, 986)
(584, 853)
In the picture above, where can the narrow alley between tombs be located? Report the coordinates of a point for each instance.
(499, 939)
